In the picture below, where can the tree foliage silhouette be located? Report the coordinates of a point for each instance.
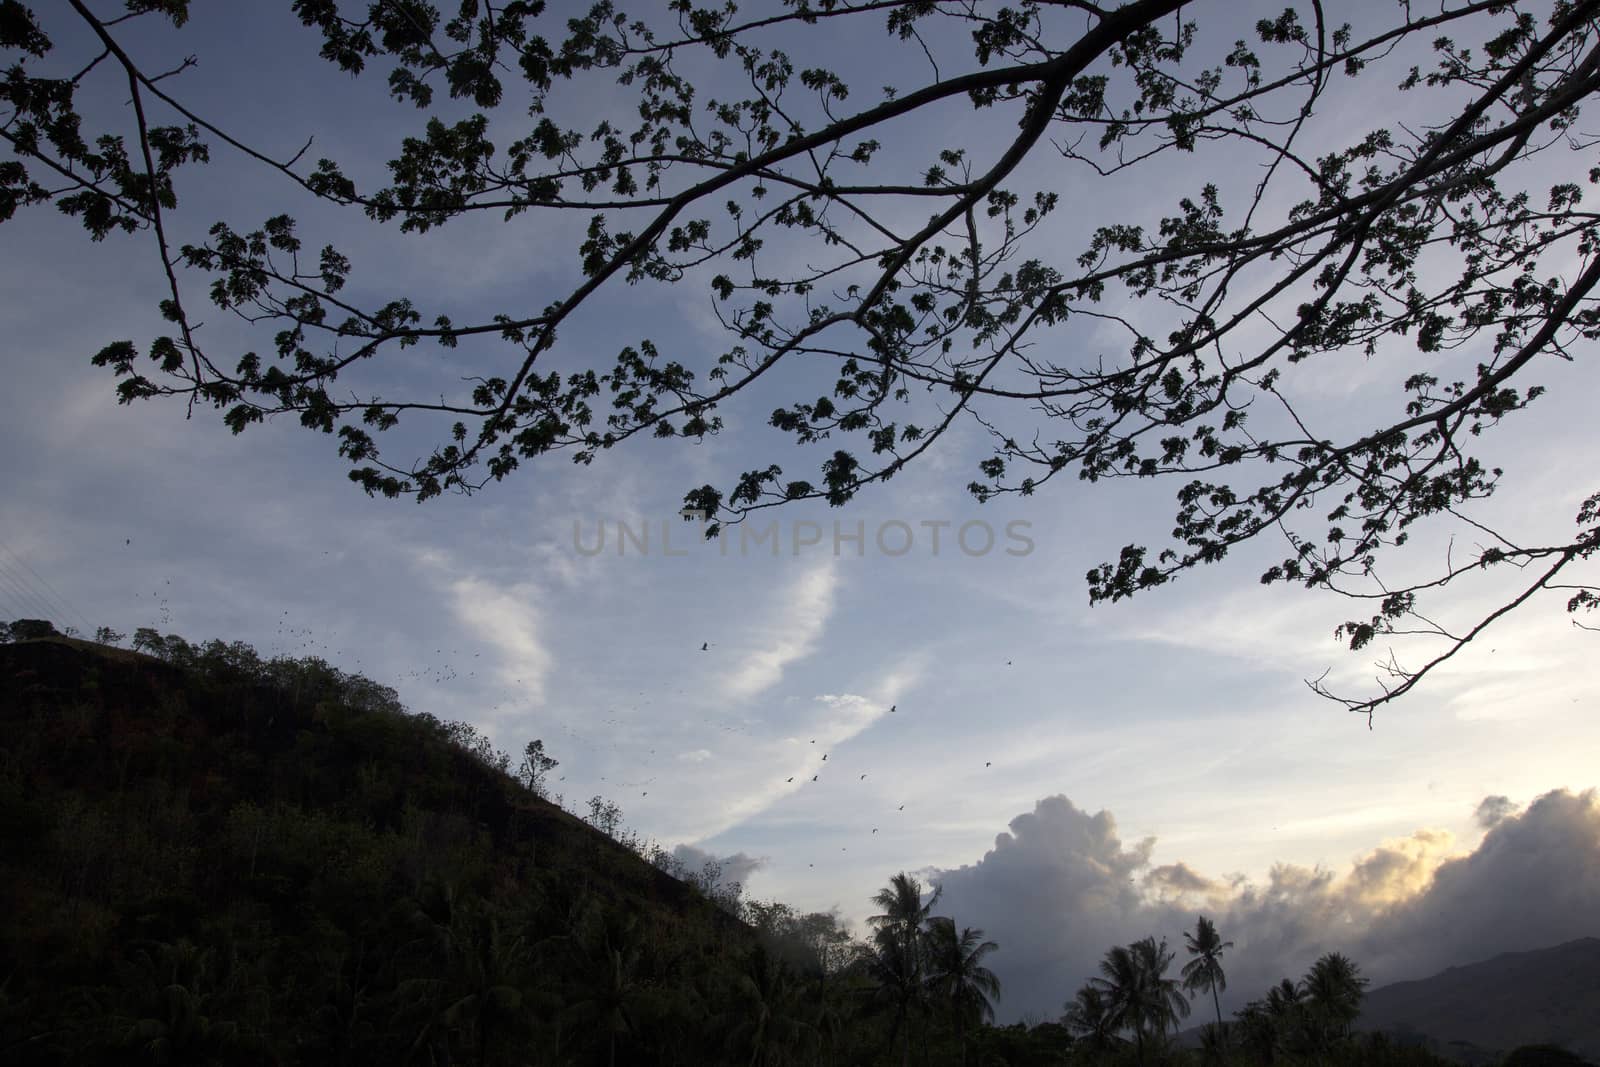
(1332, 991)
(1204, 969)
(535, 766)
(906, 288)
(1092, 1019)
(957, 977)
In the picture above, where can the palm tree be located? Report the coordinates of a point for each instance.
(436, 918)
(828, 952)
(898, 949)
(1204, 969)
(1257, 1030)
(1214, 1043)
(1333, 990)
(829, 1015)
(1165, 1002)
(956, 974)
(171, 1020)
(1137, 990)
(768, 1014)
(1090, 1018)
(1285, 1015)
(897, 984)
(608, 960)
(904, 910)
(1282, 999)
(495, 994)
(1119, 983)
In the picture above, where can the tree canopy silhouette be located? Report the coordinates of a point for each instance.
(906, 272)
(1204, 970)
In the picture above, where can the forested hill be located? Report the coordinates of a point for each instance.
(210, 857)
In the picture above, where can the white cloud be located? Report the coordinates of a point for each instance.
(792, 634)
(726, 792)
(506, 618)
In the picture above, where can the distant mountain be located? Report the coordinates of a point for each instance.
(1547, 996)
(1477, 1013)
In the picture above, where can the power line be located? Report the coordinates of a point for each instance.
(69, 609)
(88, 627)
(41, 602)
(11, 602)
(21, 594)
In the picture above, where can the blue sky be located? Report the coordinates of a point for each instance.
(1183, 713)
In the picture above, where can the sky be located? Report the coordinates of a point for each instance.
(1072, 777)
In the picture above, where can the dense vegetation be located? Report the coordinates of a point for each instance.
(211, 857)
(218, 858)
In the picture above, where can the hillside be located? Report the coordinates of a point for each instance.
(248, 862)
(1550, 995)
(211, 858)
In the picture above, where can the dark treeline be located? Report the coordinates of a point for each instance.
(1131, 1011)
(214, 857)
(211, 857)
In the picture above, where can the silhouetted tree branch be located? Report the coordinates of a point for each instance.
(1460, 247)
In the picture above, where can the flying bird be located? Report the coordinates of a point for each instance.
(790, 778)
(705, 646)
(863, 777)
(874, 829)
(892, 707)
(824, 757)
(901, 808)
(813, 777)
(986, 764)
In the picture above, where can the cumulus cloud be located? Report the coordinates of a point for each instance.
(1181, 880)
(1397, 870)
(1492, 809)
(1533, 881)
(722, 872)
(1061, 887)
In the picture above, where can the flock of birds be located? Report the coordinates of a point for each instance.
(705, 646)
(514, 696)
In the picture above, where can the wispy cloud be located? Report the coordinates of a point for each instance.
(795, 627)
(767, 771)
(506, 618)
